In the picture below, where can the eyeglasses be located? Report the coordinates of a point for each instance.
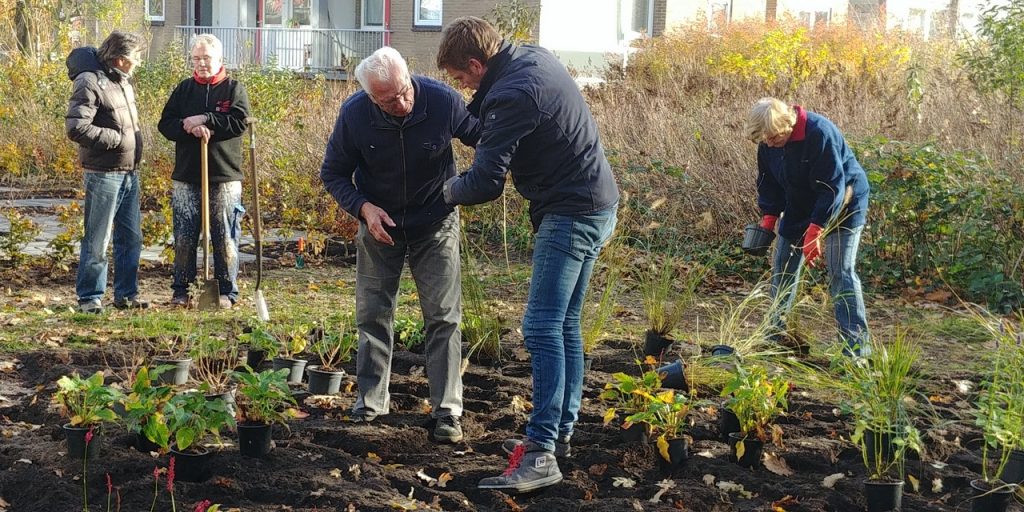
(392, 101)
(207, 59)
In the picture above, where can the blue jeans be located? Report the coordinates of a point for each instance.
(844, 285)
(111, 208)
(433, 254)
(226, 212)
(564, 253)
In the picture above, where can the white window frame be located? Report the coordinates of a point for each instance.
(163, 10)
(419, 22)
(726, 6)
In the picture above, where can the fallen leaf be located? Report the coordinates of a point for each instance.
(519, 405)
(336, 473)
(624, 482)
(829, 481)
(23, 461)
(964, 386)
(597, 469)
(393, 467)
(706, 454)
(521, 354)
(59, 473)
(318, 493)
(664, 486)
(914, 483)
(736, 488)
(786, 501)
(936, 485)
(776, 464)
(443, 479)
(512, 505)
(354, 471)
(373, 457)
(709, 480)
(429, 480)
(8, 366)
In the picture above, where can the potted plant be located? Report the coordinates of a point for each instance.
(260, 343)
(594, 321)
(663, 304)
(334, 348)
(756, 399)
(666, 413)
(173, 351)
(481, 325)
(143, 410)
(631, 395)
(213, 360)
(87, 404)
(999, 414)
(877, 393)
(263, 398)
(292, 344)
(191, 419)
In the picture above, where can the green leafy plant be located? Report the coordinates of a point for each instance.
(264, 396)
(515, 20)
(294, 341)
(86, 402)
(191, 418)
(995, 61)
(144, 406)
(666, 412)
(999, 411)
(631, 395)
(409, 332)
(62, 246)
(259, 337)
(878, 392)
(336, 344)
(22, 230)
(756, 399)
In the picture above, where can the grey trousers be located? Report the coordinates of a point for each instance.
(434, 261)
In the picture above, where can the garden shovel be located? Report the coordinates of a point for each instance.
(209, 298)
(257, 224)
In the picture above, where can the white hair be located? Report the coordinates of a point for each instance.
(210, 41)
(382, 66)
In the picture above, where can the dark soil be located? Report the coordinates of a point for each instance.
(326, 463)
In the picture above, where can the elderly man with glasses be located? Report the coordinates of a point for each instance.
(385, 164)
(209, 106)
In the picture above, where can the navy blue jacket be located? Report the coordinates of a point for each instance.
(537, 125)
(807, 179)
(401, 169)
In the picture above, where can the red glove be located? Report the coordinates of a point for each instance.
(812, 244)
(768, 222)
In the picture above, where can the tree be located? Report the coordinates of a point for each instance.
(995, 62)
(515, 21)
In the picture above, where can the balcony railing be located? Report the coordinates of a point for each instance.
(315, 50)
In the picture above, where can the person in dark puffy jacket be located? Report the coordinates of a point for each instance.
(208, 106)
(537, 126)
(103, 121)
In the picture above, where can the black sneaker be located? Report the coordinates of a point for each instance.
(448, 429)
(133, 303)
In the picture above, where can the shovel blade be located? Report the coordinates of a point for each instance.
(210, 298)
(261, 307)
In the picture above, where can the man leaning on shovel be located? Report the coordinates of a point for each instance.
(207, 109)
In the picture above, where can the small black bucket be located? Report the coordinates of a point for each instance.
(757, 240)
(673, 375)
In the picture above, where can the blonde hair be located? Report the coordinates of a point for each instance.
(768, 118)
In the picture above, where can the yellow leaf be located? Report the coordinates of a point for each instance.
(650, 360)
(740, 449)
(373, 457)
(915, 483)
(442, 481)
(609, 415)
(76, 420)
(663, 448)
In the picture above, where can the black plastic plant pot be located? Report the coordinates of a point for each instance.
(635, 434)
(757, 240)
(883, 496)
(674, 375)
(193, 465)
(752, 449)
(728, 423)
(656, 345)
(254, 439)
(77, 447)
(1013, 473)
(175, 376)
(294, 366)
(678, 452)
(990, 496)
(254, 358)
(588, 362)
(324, 382)
(722, 351)
(227, 396)
(144, 445)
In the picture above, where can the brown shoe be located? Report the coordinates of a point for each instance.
(181, 301)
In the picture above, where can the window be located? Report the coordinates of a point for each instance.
(635, 19)
(816, 19)
(428, 13)
(642, 16)
(373, 13)
(720, 15)
(155, 10)
(300, 13)
(273, 12)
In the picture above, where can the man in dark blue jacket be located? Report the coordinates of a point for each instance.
(386, 164)
(537, 126)
(807, 172)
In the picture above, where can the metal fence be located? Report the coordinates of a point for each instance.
(302, 49)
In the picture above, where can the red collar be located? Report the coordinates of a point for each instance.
(800, 128)
(213, 80)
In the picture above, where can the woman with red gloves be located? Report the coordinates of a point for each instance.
(811, 186)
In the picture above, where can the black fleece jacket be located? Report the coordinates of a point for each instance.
(226, 106)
